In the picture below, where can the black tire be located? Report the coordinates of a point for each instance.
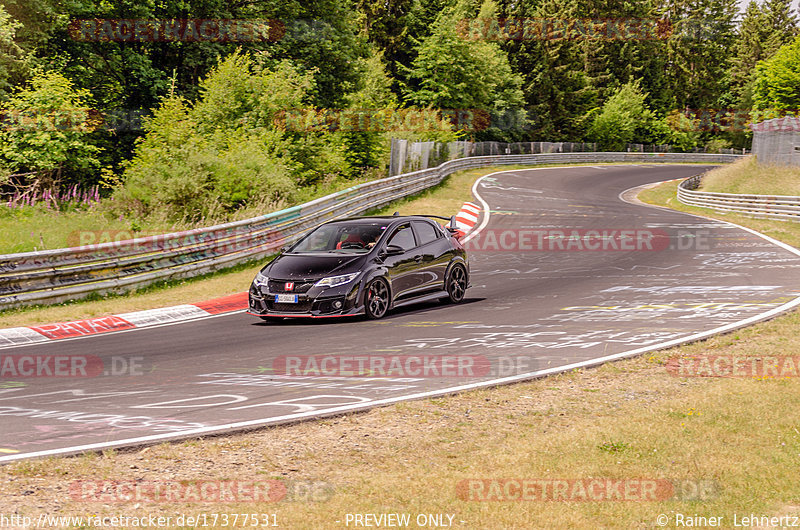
(456, 284)
(376, 299)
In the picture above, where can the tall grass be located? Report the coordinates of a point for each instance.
(749, 177)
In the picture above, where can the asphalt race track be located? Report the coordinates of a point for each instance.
(624, 278)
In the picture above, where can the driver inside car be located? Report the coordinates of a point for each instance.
(354, 241)
(371, 240)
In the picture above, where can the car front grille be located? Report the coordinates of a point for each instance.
(279, 286)
(301, 307)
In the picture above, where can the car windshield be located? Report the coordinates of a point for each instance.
(351, 238)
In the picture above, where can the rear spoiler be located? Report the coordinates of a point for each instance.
(452, 227)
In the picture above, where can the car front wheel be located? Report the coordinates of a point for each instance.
(376, 299)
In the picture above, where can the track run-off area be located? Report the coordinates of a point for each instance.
(567, 271)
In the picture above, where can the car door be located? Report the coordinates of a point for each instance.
(402, 268)
(436, 254)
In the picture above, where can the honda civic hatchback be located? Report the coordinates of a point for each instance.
(363, 266)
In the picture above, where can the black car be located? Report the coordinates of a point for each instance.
(364, 265)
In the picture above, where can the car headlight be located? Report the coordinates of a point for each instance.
(335, 281)
(261, 280)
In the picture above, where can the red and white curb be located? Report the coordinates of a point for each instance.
(122, 322)
(467, 218)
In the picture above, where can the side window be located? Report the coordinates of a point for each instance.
(403, 238)
(426, 232)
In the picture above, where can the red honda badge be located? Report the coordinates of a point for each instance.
(289, 286)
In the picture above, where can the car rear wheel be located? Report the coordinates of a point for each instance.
(376, 299)
(456, 284)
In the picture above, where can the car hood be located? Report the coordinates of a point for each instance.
(312, 266)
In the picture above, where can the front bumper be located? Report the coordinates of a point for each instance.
(317, 302)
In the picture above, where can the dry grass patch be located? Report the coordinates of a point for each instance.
(749, 177)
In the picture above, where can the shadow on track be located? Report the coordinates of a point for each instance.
(412, 309)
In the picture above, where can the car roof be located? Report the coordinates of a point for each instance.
(385, 218)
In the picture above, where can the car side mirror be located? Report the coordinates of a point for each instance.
(392, 250)
(453, 226)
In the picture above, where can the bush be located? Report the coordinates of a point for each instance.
(625, 118)
(777, 80)
(615, 124)
(48, 131)
(192, 177)
(716, 144)
(206, 160)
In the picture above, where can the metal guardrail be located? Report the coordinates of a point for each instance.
(777, 206)
(59, 275)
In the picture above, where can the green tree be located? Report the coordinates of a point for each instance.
(368, 148)
(556, 85)
(615, 123)
(12, 57)
(699, 49)
(192, 176)
(612, 61)
(374, 88)
(229, 148)
(396, 27)
(243, 91)
(454, 72)
(132, 77)
(762, 31)
(747, 51)
(386, 26)
(780, 24)
(48, 131)
(626, 118)
(777, 81)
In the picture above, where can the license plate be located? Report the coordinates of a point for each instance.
(286, 298)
